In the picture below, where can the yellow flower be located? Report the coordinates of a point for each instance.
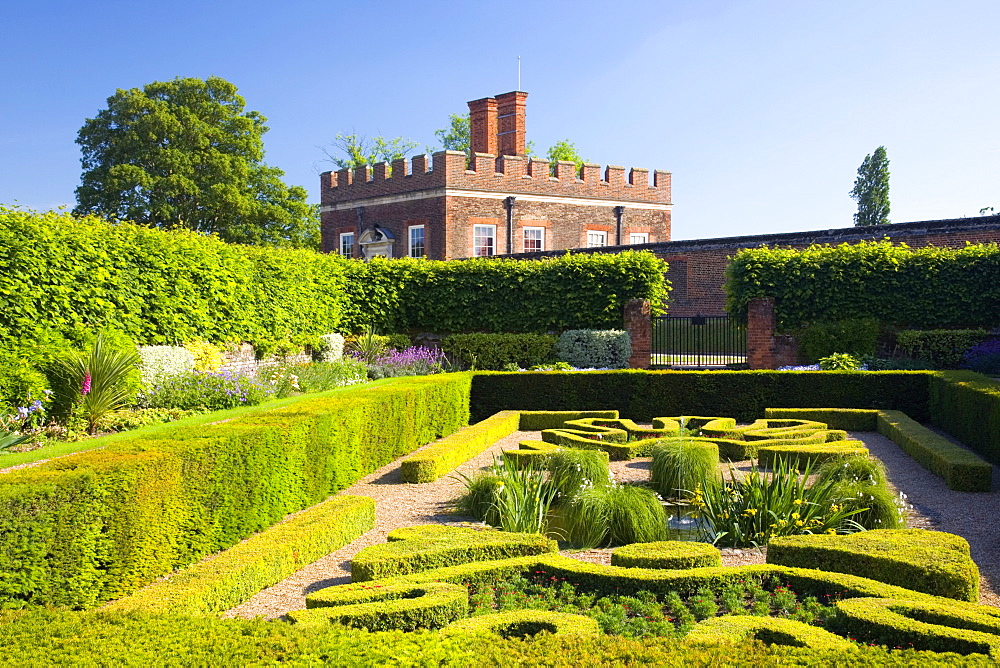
(799, 523)
(835, 508)
(749, 512)
(795, 516)
(832, 532)
(797, 502)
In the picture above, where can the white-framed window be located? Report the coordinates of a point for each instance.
(638, 238)
(596, 238)
(534, 239)
(484, 240)
(416, 236)
(347, 244)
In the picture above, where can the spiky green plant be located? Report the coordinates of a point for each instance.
(481, 497)
(756, 506)
(100, 380)
(369, 346)
(573, 470)
(681, 466)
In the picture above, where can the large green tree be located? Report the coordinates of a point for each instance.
(186, 154)
(871, 190)
(354, 150)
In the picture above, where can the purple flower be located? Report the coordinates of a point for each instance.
(85, 388)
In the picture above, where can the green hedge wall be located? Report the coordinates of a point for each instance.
(92, 526)
(744, 395)
(63, 274)
(921, 288)
(967, 406)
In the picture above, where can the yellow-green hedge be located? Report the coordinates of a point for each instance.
(668, 554)
(961, 469)
(848, 419)
(235, 575)
(404, 607)
(524, 623)
(933, 562)
(97, 525)
(439, 458)
(801, 456)
(416, 549)
(741, 629)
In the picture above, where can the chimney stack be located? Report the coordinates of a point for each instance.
(483, 126)
(510, 122)
(496, 125)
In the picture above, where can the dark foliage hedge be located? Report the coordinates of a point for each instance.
(92, 526)
(920, 288)
(643, 395)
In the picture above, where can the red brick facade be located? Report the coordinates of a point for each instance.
(450, 193)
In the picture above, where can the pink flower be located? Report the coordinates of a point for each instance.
(85, 388)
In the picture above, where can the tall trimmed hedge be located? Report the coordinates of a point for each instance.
(63, 274)
(744, 395)
(92, 526)
(921, 288)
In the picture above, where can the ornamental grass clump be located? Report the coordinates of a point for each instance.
(615, 515)
(862, 484)
(573, 470)
(756, 506)
(510, 498)
(680, 467)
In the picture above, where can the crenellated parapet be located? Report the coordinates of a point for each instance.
(452, 170)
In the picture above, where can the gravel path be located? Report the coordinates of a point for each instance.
(399, 504)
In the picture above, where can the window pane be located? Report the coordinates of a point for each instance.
(534, 239)
(638, 238)
(596, 239)
(347, 244)
(484, 240)
(417, 248)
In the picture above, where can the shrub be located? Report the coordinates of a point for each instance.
(207, 356)
(839, 362)
(321, 376)
(942, 348)
(481, 497)
(531, 453)
(159, 362)
(615, 515)
(208, 390)
(671, 554)
(808, 455)
(21, 382)
(586, 348)
(680, 466)
(330, 348)
(851, 419)
(524, 498)
(495, 351)
(967, 406)
(934, 562)
(857, 336)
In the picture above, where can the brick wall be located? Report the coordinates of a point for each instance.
(242, 359)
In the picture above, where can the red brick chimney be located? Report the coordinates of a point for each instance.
(510, 122)
(483, 125)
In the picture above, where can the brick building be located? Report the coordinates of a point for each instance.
(496, 202)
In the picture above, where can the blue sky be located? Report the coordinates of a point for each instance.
(763, 110)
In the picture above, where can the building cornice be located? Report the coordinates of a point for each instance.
(381, 200)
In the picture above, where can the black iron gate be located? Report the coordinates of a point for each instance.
(699, 342)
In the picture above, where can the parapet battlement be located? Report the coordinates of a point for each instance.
(508, 174)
